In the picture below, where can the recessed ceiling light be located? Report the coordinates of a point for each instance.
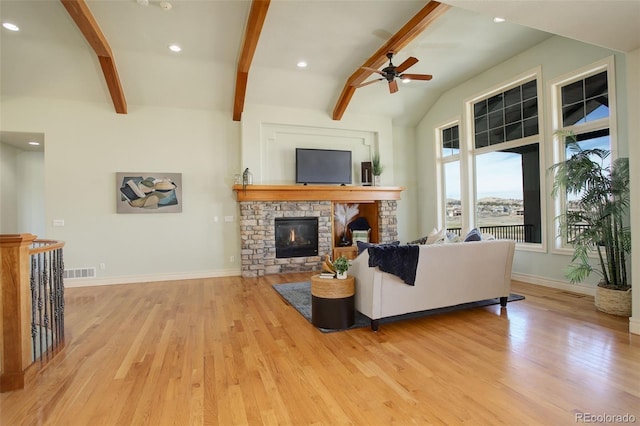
(302, 64)
(10, 26)
(34, 143)
(175, 48)
(498, 20)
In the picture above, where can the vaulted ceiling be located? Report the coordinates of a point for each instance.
(50, 56)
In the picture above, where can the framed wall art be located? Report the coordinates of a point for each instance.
(148, 192)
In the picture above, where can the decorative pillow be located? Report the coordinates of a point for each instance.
(486, 236)
(473, 235)
(448, 238)
(435, 235)
(362, 246)
(422, 240)
(360, 236)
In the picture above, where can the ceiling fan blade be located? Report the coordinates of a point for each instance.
(406, 64)
(372, 70)
(393, 86)
(368, 83)
(417, 76)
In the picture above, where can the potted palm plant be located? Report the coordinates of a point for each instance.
(598, 223)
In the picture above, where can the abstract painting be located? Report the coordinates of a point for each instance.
(149, 192)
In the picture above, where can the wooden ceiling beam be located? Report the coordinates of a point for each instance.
(81, 15)
(399, 40)
(257, 15)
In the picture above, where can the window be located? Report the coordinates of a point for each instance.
(585, 100)
(507, 116)
(582, 107)
(449, 166)
(507, 163)
(598, 139)
(508, 188)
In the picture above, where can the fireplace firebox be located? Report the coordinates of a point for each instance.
(296, 237)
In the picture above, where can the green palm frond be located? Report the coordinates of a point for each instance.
(599, 225)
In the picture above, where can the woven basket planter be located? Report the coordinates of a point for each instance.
(614, 302)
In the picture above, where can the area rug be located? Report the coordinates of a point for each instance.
(298, 295)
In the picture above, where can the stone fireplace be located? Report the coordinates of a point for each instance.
(261, 206)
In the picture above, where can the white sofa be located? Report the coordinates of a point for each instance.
(446, 275)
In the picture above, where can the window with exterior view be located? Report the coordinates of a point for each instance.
(450, 172)
(507, 164)
(583, 110)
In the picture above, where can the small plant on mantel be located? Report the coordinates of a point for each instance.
(376, 167)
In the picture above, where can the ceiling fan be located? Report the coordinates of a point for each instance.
(390, 72)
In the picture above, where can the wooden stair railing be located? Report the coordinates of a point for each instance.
(19, 326)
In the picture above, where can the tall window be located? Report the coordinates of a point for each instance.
(507, 163)
(583, 109)
(450, 166)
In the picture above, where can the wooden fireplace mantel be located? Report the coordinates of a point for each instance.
(351, 193)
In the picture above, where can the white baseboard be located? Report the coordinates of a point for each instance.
(634, 325)
(134, 279)
(560, 285)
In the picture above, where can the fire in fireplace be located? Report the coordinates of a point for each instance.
(296, 237)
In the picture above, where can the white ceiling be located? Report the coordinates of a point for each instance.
(50, 58)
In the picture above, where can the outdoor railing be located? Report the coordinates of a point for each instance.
(519, 233)
(31, 306)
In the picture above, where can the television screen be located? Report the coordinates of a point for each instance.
(323, 166)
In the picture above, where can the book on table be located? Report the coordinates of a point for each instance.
(327, 275)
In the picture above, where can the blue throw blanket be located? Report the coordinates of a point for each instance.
(401, 261)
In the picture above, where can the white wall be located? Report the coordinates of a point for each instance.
(556, 56)
(258, 122)
(633, 89)
(8, 191)
(22, 192)
(405, 171)
(31, 193)
(87, 143)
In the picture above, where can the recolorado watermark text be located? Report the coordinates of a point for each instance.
(605, 418)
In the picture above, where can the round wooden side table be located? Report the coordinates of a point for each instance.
(332, 302)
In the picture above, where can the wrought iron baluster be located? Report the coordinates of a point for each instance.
(32, 287)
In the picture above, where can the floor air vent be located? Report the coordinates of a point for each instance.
(79, 273)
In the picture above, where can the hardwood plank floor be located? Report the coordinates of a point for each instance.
(230, 351)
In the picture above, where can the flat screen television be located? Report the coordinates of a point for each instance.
(323, 166)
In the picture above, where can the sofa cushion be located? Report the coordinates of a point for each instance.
(473, 235)
(362, 246)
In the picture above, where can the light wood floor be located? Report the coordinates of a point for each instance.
(230, 351)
